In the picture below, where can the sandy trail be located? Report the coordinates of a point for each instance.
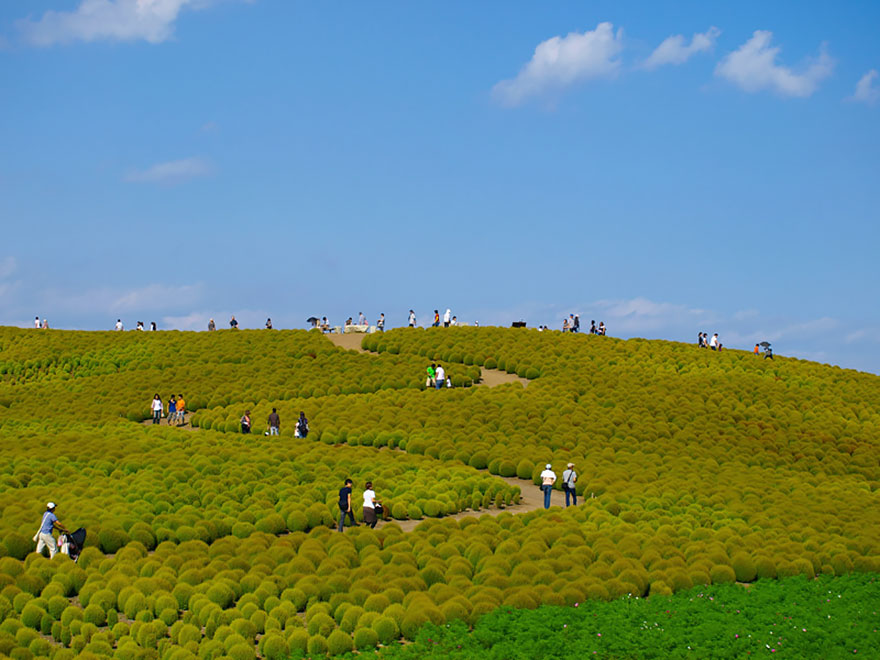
(488, 377)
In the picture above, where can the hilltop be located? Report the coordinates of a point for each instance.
(696, 468)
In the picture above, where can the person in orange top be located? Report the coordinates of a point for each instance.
(181, 410)
(757, 350)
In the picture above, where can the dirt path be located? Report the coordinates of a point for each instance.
(164, 422)
(531, 499)
(488, 377)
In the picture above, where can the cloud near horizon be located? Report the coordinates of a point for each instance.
(111, 20)
(753, 68)
(172, 172)
(560, 62)
(674, 51)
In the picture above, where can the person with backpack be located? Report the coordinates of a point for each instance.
(246, 422)
(569, 478)
(302, 426)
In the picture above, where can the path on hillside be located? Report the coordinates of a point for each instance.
(531, 499)
(488, 377)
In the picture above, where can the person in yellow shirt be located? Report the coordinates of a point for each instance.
(181, 410)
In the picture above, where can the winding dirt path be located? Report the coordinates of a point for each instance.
(488, 377)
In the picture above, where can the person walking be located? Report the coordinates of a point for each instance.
(431, 371)
(436, 318)
(153, 327)
(768, 353)
(362, 320)
(119, 325)
(412, 319)
(274, 422)
(370, 503)
(211, 325)
(713, 343)
(345, 505)
(268, 324)
(440, 377)
(380, 324)
(548, 478)
(577, 322)
(602, 328)
(246, 422)
(43, 537)
(172, 410)
(233, 323)
(156, 408)
(565, 326)
(447, 318)
(181, 410)
(37, 323)
(757, 349)
(569, 478)
(302, 426)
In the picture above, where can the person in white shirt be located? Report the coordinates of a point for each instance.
(569, 478)
(412, 319)
(548, 478)
(140, 326)
(157, 408)
(447, 318)
(713, 343)
(37, 322)
(370, 502)
(454, 321)
(119, 324)
(439, 377)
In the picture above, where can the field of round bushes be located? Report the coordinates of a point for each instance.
(696, 468)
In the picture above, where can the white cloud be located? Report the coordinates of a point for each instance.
(753, 68)
(560, 62)
(112, 20)
(866, 90)
(674, 51)
(8, 265)
(175, 171)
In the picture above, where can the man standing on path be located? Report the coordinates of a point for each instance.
(569, 478)
(345, 505)
(44, 537)
(274, 422)
(548, 478)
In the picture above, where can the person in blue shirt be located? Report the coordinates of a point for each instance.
(172, 410)
(44, 537)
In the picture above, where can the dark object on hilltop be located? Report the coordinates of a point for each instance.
(313, 320)
(518, 324)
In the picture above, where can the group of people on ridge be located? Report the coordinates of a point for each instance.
(437, 377)
(176, 410)
(273, 424)
(372, 508)
(703, 341)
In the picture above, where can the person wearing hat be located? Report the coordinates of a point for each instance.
(569, 477)
(44, 537)
(548, 478)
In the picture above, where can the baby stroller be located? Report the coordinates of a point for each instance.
(72, 544)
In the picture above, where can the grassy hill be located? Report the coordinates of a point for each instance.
(696, 467)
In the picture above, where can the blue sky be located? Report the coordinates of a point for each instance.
(666, 168)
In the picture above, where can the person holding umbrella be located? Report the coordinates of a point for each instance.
(768, 351)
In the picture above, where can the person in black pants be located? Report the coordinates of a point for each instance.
(345, 505)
